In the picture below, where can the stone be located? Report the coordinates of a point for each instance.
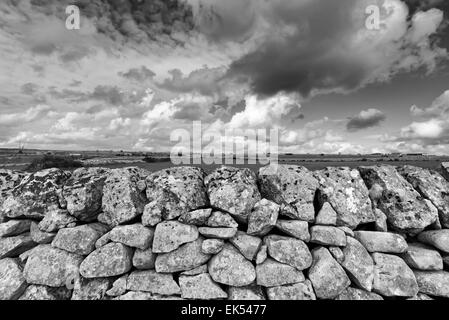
(422, 257)
(8, 181)
(186, 257)
(196, 217)
(271, 273)
(24, 256)
(200, 287)
(358, 264)
(230, 267)
(246, 244)
(347, 231)
(294, 228)
(144, 259)
(404, 207)
(113, 259)
(218, 233)
(437, 238)
(221, 219)
(152, 214)
(118, 287)
(233, 190)
(358, 294)
(445, 169)
(297, 291)
(135, 296)
(327, 276)
(262, 254)
(263, 217)
(122, 200)
(83, 192)
(392, 277)
(346, 192)
(57, 219)
(434, 283)
(446, 261)
(337, 253)
(195, 271)
(14, 227)
(212, 246)
(51, 266)
(14, 246)
(91, 289)
(246, 293)
(326, 216)
(291, 187)
(381, 221)
(80, 240)
(381, 241)
(175, 191)
(153, 282)
(170, 235)
(12, 282)
(40, 293)
(39, 236)
(328, 236)
(290, 251)
(420, 296)
(134, 235)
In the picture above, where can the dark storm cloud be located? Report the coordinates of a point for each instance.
(141, 74)
(365, 119)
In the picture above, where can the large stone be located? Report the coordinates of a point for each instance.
(346, 192)
(9, 180)
(233, 190)
(169, 235)
(381, 241)
(113, 259)
(175, 191)
(122, 199)
(40, 293)
(392, 277)
(295, 228)
(272, 274)
(436, 238)
(134, 235)
(358, 264)
(221, 219)
(12, 282)
(434, 283)
(80, 240)
(328, 236)
(421, 257)
(83, 192)
(14, 246)
(144, 259)
(91, 289)
(246, 293)
(326, 216)
(212, 246)
(263, 217)
(246, 244)
(290, 251)
(297, 291)
(14, 227)
(327, 276)
(56, 219)
(151, 281)
(231, 268)
(39, 236)
(197, 217)
(186, 257)
(200, 287)
(51, 266)
(357, 294)
(404, 207)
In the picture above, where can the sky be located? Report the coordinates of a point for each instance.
(315, 70)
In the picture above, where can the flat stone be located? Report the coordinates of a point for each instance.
(421, 257)
(144, 259)
(358, 264)
(57, 219)
(91, 289)
(113, 259)
(246, 293)
(80, 240)
(328, 236)
(327, 276)
(40, 293)
(290, 251)
(151, 281)
(434, 283)
(14, 227)
(12, 282)
(118, 287)
(246, 244)
(326, 216)
(14, 246)
(392, 277)
(134, 235)
(263, 217)
(221, 219)
(200, 287)
(294, 228)
(212, 246)
(170, 235)
(357, 294)
(297, 291)
(196, 217)
(437, 238)
(262, 254)
(39, 236)
(381, 241)
(218, 233)
(272, 274)
(195, 271)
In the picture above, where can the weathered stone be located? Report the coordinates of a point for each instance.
(39, 236)
(421, 257)
(195, 271)
(169, 235)
(57, 219)
(118, 286)
(263, 217)
(8, 181)
(151, 281)
(12, 282)
(231, 268)
(14, 227)
(218, 233)
(437, 238)
(246, 244)
(91, 289)
(297, 291)
(392, 277)
(290, 251)
(246, 293)
(135, 296)
(381, 221)
(134, 235)
(358, 264)
(337, 253)
(14, 246)
(186, 257)
(221, 219)
(39, 293)
(262, 254)
(144, 259)
(113, 259)
(328, 236)
(357, 294)
(122, 200)
(80, 240)
(326, 216)
(152, 214)
(212, 246)
(51, 267)
(233, 190)
(197, 217)
(295, 228)
(177, 190)
(434, 283)
(25, 255)
(292, 187)
(327, 276)
(272, 273)
(200, 287)
(421, 296)
(445, 169)
(83, 192)
(346, 192)
(347, 231)
(381, 241)
(404, 207)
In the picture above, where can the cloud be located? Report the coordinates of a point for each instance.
(140, 75)
(365, 119)
(31, 114)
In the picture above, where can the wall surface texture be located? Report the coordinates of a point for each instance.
(378, 232)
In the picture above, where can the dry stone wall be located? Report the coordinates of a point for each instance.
(285, 233)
